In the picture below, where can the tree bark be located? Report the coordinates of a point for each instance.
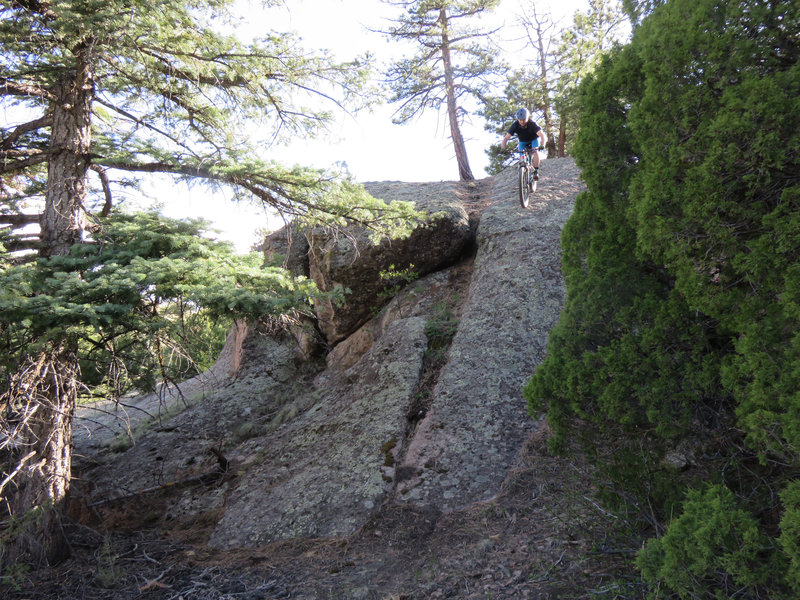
(47, 390)
(546, 105)
(44, 397)
(63, 220)
(464, 171)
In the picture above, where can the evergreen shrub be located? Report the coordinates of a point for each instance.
(712, 550)
(681, 330)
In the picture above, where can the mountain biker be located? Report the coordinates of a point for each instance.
(529, 135)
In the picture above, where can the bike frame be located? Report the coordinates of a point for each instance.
(526, 156)
(527, 185)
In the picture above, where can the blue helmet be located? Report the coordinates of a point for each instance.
(523, 114)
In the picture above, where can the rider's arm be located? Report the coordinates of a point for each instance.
(505, 141)
(542, 138)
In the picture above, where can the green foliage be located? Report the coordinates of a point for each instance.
(789, 539)
(15, 573)
(590, 36)
(681, 323)
(396, 279)
(172, 93)
(150, 299)
(109, 572)
(713, 549)
(440, 330)
(637, 9)
(725, 226)
(331, 198)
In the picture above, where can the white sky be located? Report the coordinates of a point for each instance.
(372, 147)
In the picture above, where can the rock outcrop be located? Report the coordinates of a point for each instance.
(390, 416)
(356, 263)
(462, 449)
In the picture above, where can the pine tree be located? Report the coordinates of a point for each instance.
(591, 35)
(129, 87)
(453, 63)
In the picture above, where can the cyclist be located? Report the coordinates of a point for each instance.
(529, 135)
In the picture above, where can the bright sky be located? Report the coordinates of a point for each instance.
(372, 147)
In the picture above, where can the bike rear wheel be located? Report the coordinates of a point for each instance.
(524, 187)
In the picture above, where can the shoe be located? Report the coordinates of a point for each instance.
(536, 174)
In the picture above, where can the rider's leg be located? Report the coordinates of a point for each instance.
(535, 158)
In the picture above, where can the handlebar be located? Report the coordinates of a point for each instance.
(512, 155)
(516, 150)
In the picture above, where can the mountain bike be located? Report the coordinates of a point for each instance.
(527, 183)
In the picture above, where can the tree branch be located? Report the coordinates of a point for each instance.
(17, 165)
(19, 220)
(24, 128)
(34, 6)
(101, 173)
(12, 88)
(138, 121)
(274, 191)
(198, 171)
(15, 245)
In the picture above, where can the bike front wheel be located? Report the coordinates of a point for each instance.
(524, 187)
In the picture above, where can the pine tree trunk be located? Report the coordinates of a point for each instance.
(47, 389)
(464, 172)
(45, 394)
(63, 220)
(546, 105)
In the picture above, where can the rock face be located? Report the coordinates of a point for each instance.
(478, 420)
(288, 246)
(392, 414)
(297, 491)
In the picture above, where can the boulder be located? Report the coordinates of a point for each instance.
(351, 260)
(388, 418)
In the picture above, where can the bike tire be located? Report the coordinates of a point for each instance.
(524, 192)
